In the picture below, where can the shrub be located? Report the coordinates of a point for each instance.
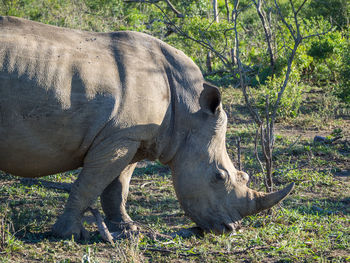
(321, 49)
(343, 91)
(291, 99)
(335, 11)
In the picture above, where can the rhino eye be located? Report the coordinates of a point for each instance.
(220, 175)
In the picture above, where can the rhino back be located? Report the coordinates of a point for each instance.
(59, 88)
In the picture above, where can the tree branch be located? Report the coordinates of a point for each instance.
(267, 31)
(206, 45)
(227, 11)
(170, 5)
(252, 111)
(289, 26)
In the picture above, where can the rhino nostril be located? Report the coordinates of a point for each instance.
(245, 176)
(242, 176)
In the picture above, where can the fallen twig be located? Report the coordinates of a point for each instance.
(101, 225)
(144, 184)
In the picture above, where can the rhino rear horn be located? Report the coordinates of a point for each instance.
(210, 98)
(266, 201)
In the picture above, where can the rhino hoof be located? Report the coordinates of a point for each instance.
(65, 229)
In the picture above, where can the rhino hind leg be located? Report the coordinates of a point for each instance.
(113, 200)
(103, 163)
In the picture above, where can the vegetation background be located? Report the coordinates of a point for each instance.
(311, 225)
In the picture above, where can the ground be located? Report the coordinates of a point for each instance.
(312, 224)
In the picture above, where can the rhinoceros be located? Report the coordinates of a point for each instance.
(103, 102)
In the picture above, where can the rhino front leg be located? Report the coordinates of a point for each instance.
(103, 164)
(113, 200)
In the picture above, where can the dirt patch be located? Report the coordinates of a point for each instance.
(310, 132)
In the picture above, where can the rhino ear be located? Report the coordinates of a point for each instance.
(210, 98)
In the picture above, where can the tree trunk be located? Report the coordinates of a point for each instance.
(208, 62)
(216, 12)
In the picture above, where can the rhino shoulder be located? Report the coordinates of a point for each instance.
(11, 20)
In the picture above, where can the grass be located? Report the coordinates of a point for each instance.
(312, 225)
(304, 229)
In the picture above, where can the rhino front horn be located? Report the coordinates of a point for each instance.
(266, 201)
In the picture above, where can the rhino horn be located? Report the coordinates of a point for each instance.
(267, 200)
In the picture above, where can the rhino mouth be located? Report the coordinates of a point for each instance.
(223, 228)
(219, 228)
(229, 227)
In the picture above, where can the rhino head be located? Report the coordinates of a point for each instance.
(209, 188)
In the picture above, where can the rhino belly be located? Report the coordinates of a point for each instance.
(38, 135)
(47, 126)
(32, 153)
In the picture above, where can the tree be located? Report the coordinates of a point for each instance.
(289, 28)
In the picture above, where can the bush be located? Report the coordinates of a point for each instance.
(321, 49)
(343, 91)
(291, 99)
(335, 11)
(326, 59)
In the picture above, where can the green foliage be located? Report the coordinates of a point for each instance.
(218, 34)
(335, 11)
(344, 87)
(101, 15)
(290, 101)
(320, 49)
(326, 53)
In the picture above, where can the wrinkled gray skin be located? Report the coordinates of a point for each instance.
(104, 101)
